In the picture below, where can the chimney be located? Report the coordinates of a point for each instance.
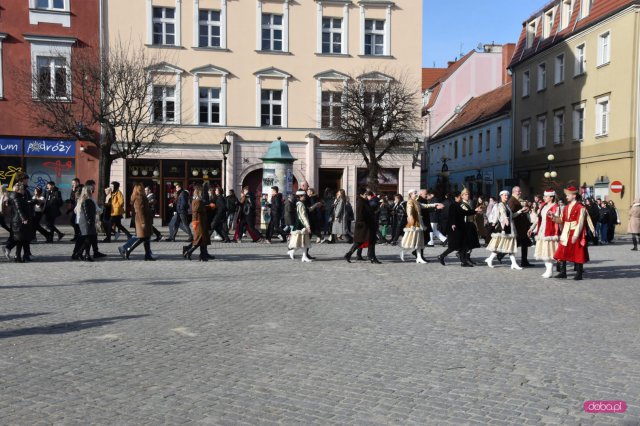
(450, 63)
(507, 53)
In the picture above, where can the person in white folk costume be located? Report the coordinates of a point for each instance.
(300, 236)
(413, 238)
(503, 240)
(546, 231)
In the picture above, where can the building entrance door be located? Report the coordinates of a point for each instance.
(330, 181)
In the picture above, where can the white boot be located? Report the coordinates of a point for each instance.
(514, 264)
(489, 260)
(292, 254)
(549, 271)
(304, 257)
(419, 258)
(402, 255)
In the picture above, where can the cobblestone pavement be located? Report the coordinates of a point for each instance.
(255, 338)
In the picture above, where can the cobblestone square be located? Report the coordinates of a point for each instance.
(255, 338)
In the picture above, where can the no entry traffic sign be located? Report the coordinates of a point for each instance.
(616, 186)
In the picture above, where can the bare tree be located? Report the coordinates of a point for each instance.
(108, 103)
(378, 117)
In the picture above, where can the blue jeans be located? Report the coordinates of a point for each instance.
(604, 231)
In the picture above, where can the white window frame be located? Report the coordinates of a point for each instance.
(52, 15)
(272, 29)
(603, 113)
(374, 33)
(162, 69)
(210, 70)
(541, 132)
(165, 99)
(585, 8)
(209, 102)
(53, 63)
(43, 46)
(331, 104)
(567, 13)
(387, 30)
(549, 20)
(542, 77)
(526, 83)
(164, 21)
(580, 66)
(345, 29)
(285, 27)
(604, 48)
(223, 24)
(210, 24)
(526, 135)
(330, 76)
(273, 73)
(331, 31)
(2, 37)
(558, 126)
(177, 23)
(271, 103)
(532, 31)
(560, 65)
(578, 123)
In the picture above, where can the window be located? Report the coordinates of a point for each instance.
(164, 104)
(567, 12)
(209, 28)
(532, 29)
(499, 137)
(331, 109)
(209, 101)
(272, 32)
(558, 127)
(332, 35)
(464, 147)
(604, 48)
(542, 77)
(488, 141)
(470, 146)
(2, 37)
(51, 4)
(559, 71)
(164, 26)
(526, 135)
(271, 108)
(585, 8)
(479, 142)
(580, 60)
(602, 116)
(374, 37)
(578, 122)
(525, 84)
(54, 80)
(549, 18)
(542, 132)
(455, 149)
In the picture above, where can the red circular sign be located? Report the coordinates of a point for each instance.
(616, 186)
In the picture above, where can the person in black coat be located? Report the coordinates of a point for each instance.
(458, 234)
(365, 228)
(247, 217)
(277, 209)
(52, 204)
(20, 223)
(181, 216)
(399, 218)
(220, 214)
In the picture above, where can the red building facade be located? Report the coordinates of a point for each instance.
(38, 42)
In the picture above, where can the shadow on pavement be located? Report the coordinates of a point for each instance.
(66, 327)
(612, 272)
(19, 316)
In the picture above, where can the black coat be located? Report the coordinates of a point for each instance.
(277, 207)
(426, 216)
(290, 214)
(52, 203)
(20, 212)
(221, 209)
(365, 225)
(183, 205)
(461, 238)
(89, 211)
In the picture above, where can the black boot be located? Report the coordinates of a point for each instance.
(128, 251)
(359, 254)
(524, 262)
(185, 249)
(468, 257)
(309, 256)
(500, 256)
(190, 252)
(579, 271)
(563, 270)
(463, 260)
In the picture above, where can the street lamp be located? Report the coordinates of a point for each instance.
(550, 173)
(226, 146)
(416, 151)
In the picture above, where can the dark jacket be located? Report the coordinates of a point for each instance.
(365, 221)
(426, 215)
(460, 238)
(277, 207)
(221, 209)
(232, 203)
(521, 222)
(52, 203)
(290, 214)
(19, 213)
(183, 206)
(89, 211)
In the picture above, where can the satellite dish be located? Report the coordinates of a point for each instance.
(480, 46)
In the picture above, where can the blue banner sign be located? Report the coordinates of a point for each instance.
(50, 147)
(10, 146)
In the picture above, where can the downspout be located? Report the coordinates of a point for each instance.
(512, 132)
(637, 150)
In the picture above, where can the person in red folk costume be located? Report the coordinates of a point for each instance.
(546, 231)
(572, 245)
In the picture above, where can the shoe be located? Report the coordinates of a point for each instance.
(347, 257)
(466, 265)
(7, 253)
(527, 265)
(18, 260)
(430, 245)
(292, 254)
(267, 241)
(75, 257)
(441, 260)
(116, 236)
(158, 238)
(121, 250)
(105, 240)
(60, 236)
(359, 258)
(185, 249)
(98, 255)
(402, 255)
(26, 258)
(489, 262)
(634, 249)
(167, 239)
(516, 267)
(210, 256)
(88, 258)
(203, 259)
(50, 239)
(149, 258)
(375, 260)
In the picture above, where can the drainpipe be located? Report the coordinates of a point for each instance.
(512, 133)
(637, 150)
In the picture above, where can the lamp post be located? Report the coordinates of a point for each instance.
(226, 146)
(550, 173)
(416, 152)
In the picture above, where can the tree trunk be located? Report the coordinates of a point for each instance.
(372, 177)
(104, 172)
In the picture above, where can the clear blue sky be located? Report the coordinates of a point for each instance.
(450, 23)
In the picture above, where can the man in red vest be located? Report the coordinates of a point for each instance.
(572, 246)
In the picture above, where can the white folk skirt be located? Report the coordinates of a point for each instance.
(413, 239)
(546, 248)
(299, 239)
(503, 243)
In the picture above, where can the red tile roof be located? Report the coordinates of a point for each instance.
(600, 10)
(480, 109)
(445, 75)
(430, 76)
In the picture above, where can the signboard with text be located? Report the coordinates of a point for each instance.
(10, 146)
(49, 148)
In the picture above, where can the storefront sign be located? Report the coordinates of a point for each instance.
(488, 177)
(50, 147)
(10, 146)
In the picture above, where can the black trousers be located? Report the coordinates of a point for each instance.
(51, 225)
(37, 218)
(274, 226)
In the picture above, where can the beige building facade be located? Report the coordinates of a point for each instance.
(255, 70)
(575, 97)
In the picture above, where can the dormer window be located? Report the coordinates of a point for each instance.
(585, 8)
(549, 18)
(532, 29)
(567, 12)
